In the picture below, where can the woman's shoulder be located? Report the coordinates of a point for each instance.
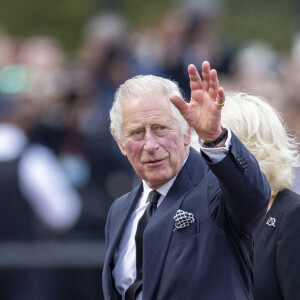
(287, 200)
(288, 204)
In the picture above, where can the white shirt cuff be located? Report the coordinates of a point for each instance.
(217, 154)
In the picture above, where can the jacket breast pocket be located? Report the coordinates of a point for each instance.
(185, 233)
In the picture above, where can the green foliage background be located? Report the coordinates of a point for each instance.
(270, 20)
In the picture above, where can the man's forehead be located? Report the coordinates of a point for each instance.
(145, 96)
(146, 103)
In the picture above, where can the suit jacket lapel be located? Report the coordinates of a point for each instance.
(160, 228)
(122, 214)
(124, 211)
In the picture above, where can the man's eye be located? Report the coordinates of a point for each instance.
(160, 129)
(137, 133)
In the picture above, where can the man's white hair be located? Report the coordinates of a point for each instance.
(261, 129)
(136, 88)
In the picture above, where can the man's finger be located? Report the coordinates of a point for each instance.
(195, 79)
(205, 75)
(180, 104)
(220, 100)
(221, 95)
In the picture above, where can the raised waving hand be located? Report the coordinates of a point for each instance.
(203, 113)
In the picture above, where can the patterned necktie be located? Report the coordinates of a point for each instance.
(136, 286)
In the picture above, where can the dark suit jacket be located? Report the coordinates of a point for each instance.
(277, 250)
(212, 258)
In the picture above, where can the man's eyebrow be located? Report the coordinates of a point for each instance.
(132, 127)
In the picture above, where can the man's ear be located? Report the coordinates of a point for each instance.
(121, 147)
(188, 136)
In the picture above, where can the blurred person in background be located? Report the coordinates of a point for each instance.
(257, 69)
(202, 38)
(41, 178)
(37, 201)
(277, 241)
(104, 51)
(146, 46)
(48, 83)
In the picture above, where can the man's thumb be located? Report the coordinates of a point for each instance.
(180, 104)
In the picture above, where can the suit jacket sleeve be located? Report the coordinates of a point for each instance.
(243, 191)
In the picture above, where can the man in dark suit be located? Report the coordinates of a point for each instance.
(198, 243)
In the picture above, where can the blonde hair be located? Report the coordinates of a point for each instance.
(135, 88)
(261, 130)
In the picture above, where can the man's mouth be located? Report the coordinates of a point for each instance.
(154, 163)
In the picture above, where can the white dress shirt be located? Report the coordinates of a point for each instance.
(124, 272)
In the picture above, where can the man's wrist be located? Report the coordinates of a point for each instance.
(218, 140)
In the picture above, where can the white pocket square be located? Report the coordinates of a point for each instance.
(183, 219)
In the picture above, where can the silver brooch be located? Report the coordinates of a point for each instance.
(271, 222)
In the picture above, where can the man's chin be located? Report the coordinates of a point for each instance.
(157, 181)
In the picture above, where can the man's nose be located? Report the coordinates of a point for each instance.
(151, 142)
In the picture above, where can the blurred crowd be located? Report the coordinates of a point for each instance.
(60, 168)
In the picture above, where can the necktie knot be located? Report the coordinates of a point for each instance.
(153, 197)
